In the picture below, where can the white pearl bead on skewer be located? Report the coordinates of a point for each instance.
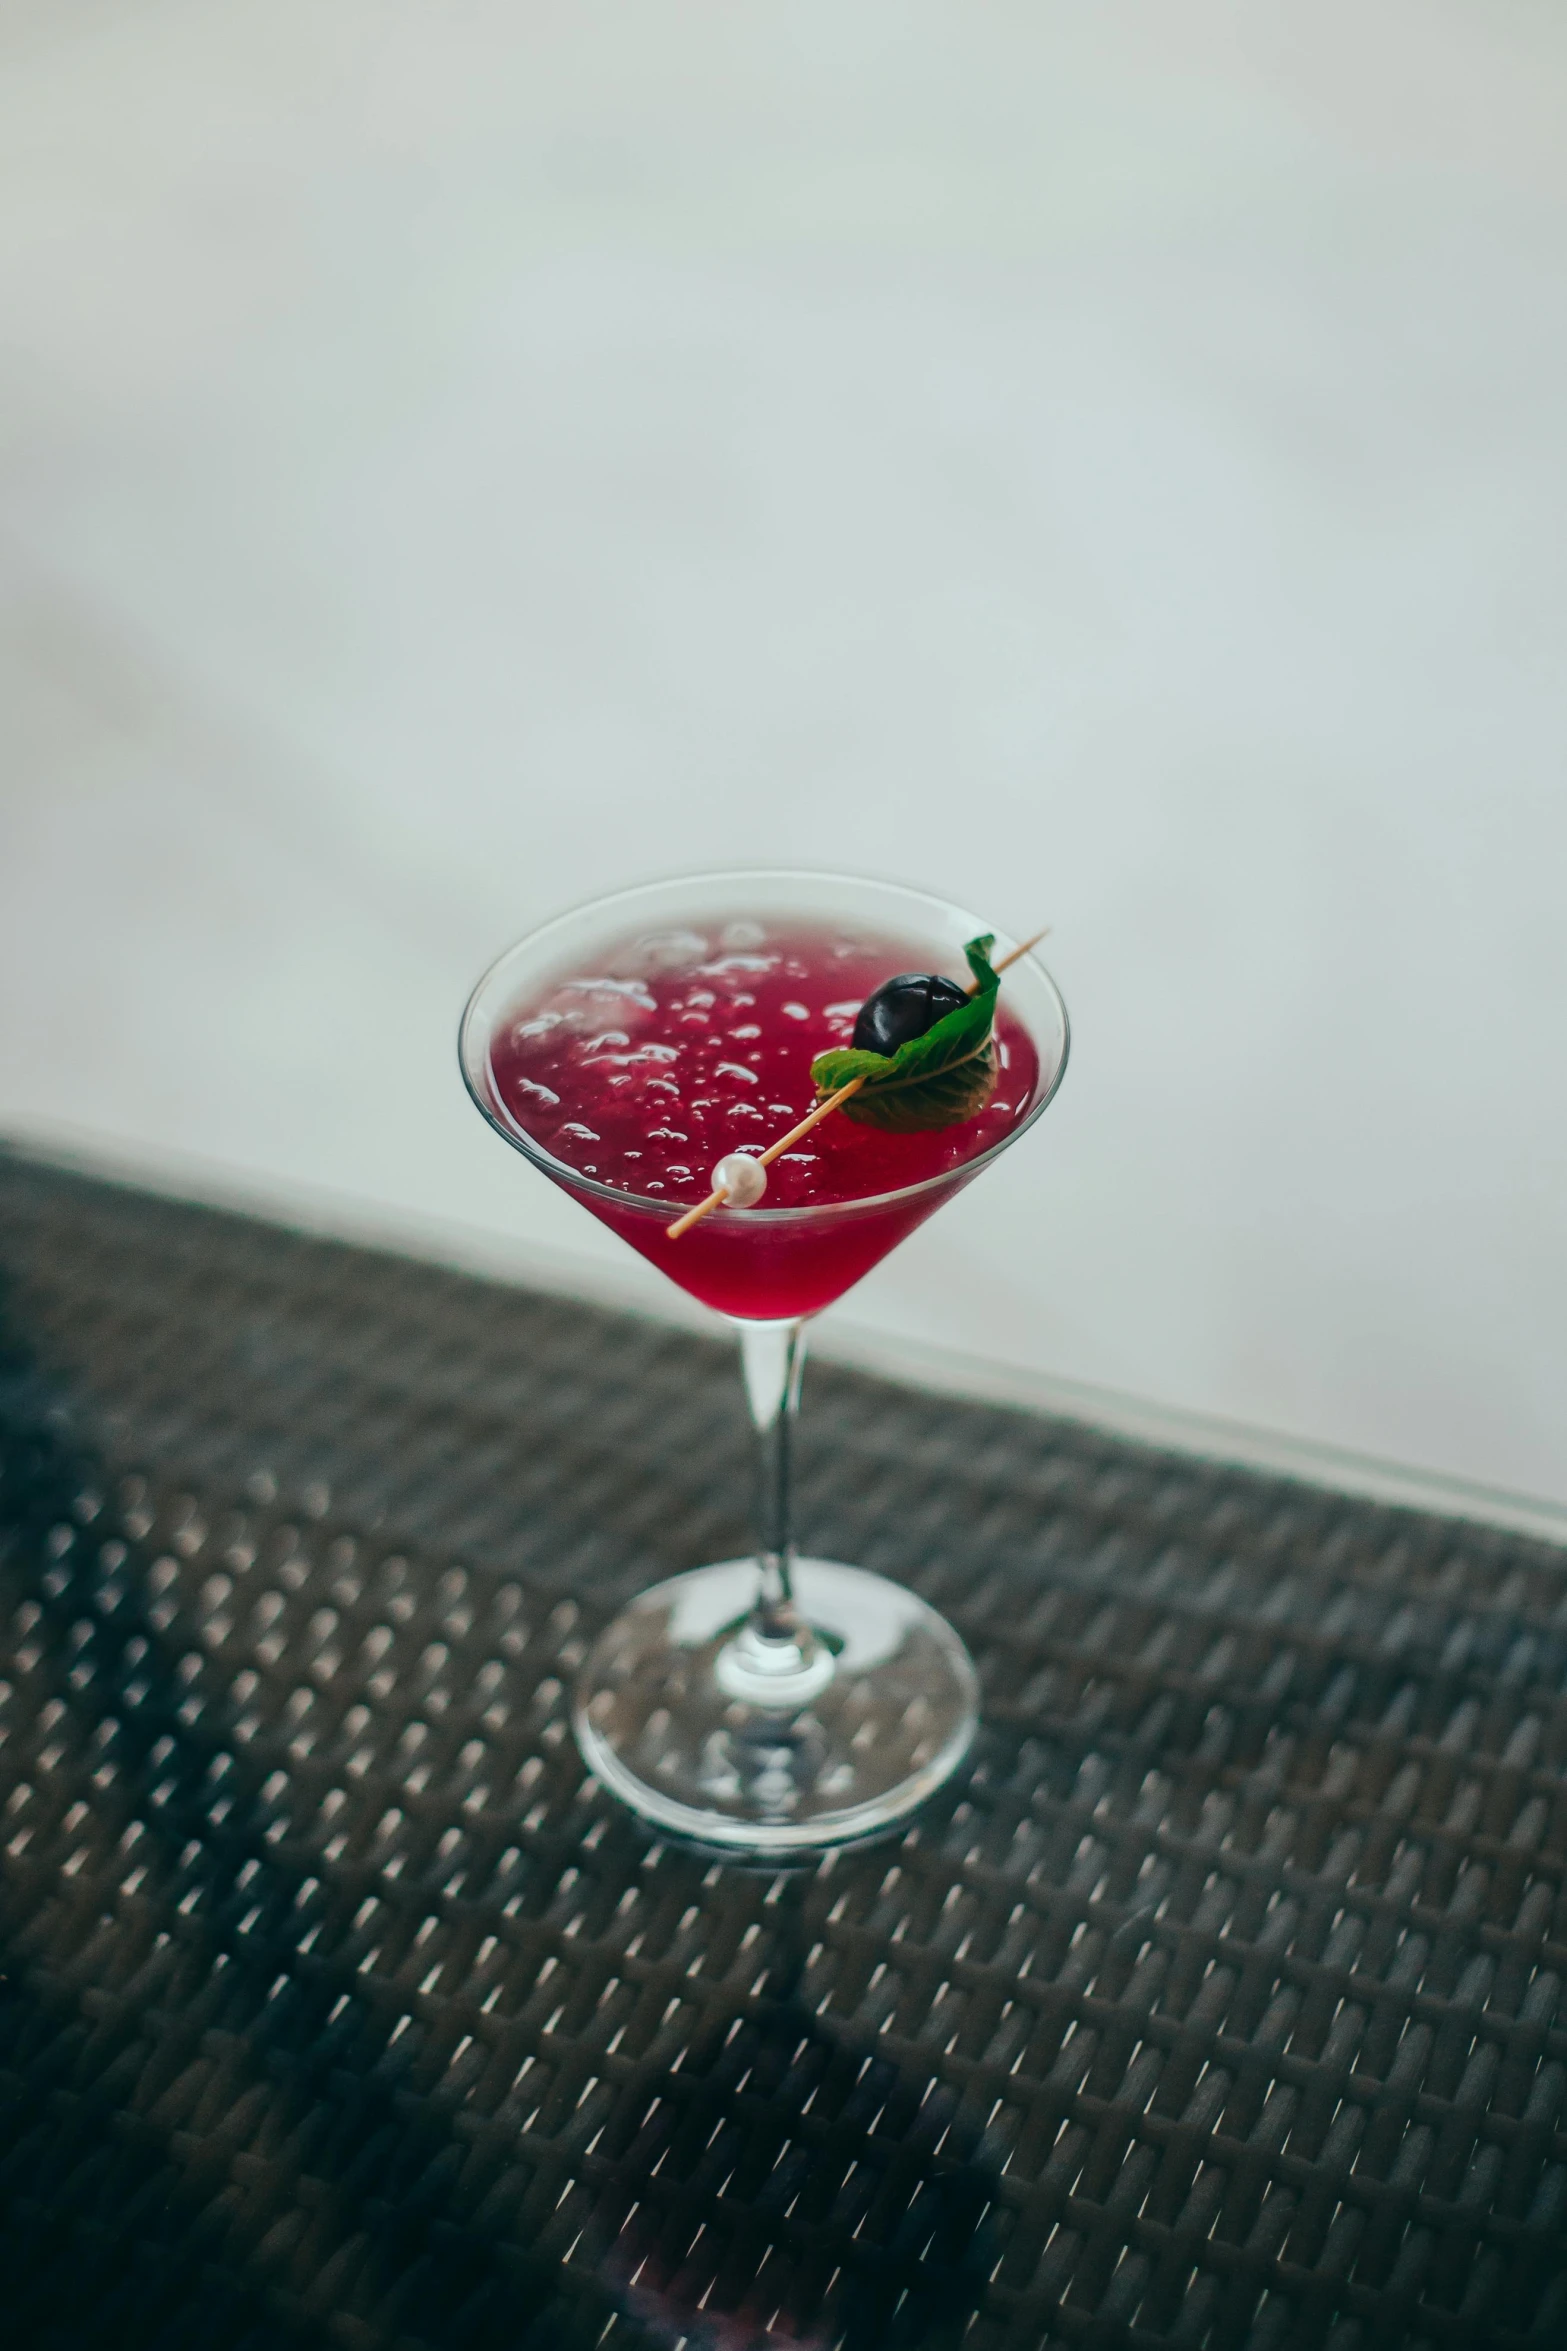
(741, 1179)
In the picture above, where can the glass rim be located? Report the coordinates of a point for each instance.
(572, 1179)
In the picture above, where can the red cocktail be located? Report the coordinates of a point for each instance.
(642, 1070)
(773, 1704)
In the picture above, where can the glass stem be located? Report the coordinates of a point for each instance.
(772, 1356)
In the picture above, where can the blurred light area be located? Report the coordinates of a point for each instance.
(1107, 463)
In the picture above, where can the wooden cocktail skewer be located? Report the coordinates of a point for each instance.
(683, 1224)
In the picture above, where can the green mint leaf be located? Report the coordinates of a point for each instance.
(937, 1080)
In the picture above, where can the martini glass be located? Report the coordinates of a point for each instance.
(772, 1704)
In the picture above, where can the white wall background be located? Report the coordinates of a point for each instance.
(1107, 462)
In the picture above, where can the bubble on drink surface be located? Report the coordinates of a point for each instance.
(540, 1024)
(670, 950)
(740, 1178)
(741, 934)
(574, 1131)
(638, 1059)
(609, 995)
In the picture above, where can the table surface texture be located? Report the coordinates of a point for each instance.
(1217, 2004)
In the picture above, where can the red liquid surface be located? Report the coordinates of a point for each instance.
(675, 1049)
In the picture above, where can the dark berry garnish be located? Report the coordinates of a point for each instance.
(903, 1008)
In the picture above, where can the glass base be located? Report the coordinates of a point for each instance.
(776, 1748)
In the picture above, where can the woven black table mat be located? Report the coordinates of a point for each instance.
(1219, 2004)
